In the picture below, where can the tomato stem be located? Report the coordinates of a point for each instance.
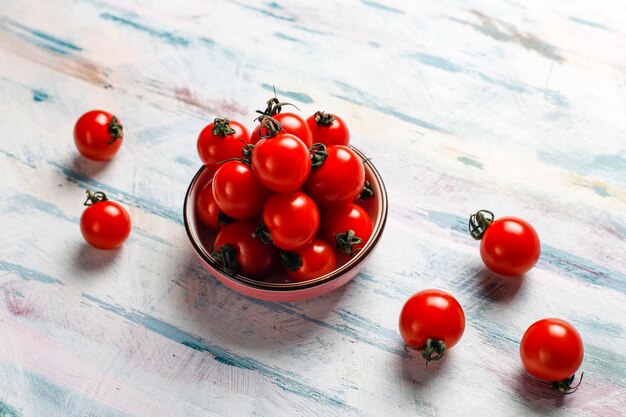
(115, 129)
(318, 154)
(290, 260)
(262, 233)
(432, 350)
(226, 255)
(271, 125)
(366, 192)
(323, 119)
(479, 223)
(565, 386)
(221, 127)
(346, 242)
(93, 198)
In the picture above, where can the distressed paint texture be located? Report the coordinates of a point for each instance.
(463, 105)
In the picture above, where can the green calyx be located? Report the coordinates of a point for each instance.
(366, 192)
(115, 129)
(270, 127)
(262, 233)
(432, 350)
(227, 256)
(346, 242)
(479, 223)
(93, 198)
(565, 386)
(323, 119)
(223, 218)
(221, 127)
(318, 154)
(290, 261)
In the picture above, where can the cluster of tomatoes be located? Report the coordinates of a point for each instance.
(288, 194)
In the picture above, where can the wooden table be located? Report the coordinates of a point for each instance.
(514, 106)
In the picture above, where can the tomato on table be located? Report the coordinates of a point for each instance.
(104, 224)
(222, 140)
(552, 349)
(237, 191)
(328, 129)
(432, 321)
(347, 226)
(509, 245)
(208, 210)
(291, 219)
(98, 135)
(314, 260)
(240, 253)
(336, 177)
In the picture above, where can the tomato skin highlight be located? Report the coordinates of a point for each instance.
(431, 314)
(338, 180)
(237, 191)
(510, 246)
(95, 135)
(213, 149)
(292, 220)
(551, 349)
(318, 258)
(341, 218)
(105, 225)
(254, 258)
(282, 163)
(336, 133)
(292, 124)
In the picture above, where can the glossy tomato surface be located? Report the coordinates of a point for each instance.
(98, 135)
(338, 221)
(292, 124)
(281, 163)
(318, 258)
(237, 191)
(551, 349)
(510, 246)
(207, 208)
(292, 220)
(214, 148)
(431, 314)
(105, 224)
(330, 129)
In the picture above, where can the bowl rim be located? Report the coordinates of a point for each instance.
(379, 226)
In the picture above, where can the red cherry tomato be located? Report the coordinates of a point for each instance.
(315, 260)
(221, 140)
(237, 192)
(552, 349)
(208, 210)
(432, 321)
(98, 135)
(240, 253)
(509, 246)
(104, 224)
(346, 226)
(339, 179)
(281, 163)
(292, 220)
(292, 124)
(328, 129)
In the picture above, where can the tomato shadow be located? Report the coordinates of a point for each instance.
(416, 373)
(88, 259)
(88, 167)
(496, 287)
(535, 393)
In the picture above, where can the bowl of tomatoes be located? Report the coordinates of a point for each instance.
(289, 213)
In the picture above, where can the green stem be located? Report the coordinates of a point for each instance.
(290, 260)
(323, 119)
(346, 242)
(565, 386)
(227, 256)
(221, 127)
(115, 129)
(479, 223)
(432, 350)
(366, 192)
(93, 198)
(318, 154)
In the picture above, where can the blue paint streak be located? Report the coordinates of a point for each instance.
(274, 5)
(271, 14)
(168, 37)
(145, 204)
(7, 411)
(40, 95)
(589, 23)
(280, 35)
(369, 327)
(381, 6)
(17, 158)
(469, 161)
(309, 30)
(41, 39)
(518, 88)
(555, 97)
(207, 42)
(27, 274)
(437, 62)
(283, 379)
(301, 97)
(356, 96)
(21, 202)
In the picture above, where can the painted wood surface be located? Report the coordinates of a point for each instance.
(513, 106)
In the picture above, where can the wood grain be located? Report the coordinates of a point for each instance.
(513, 106)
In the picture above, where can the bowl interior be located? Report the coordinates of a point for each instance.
(202, 237)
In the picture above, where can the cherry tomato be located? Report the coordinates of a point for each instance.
(281, 163)
(237, 191)
(346, 226)
(328, 129)
(208, 210)
(292, 124)
(221, 140)
(104, 224)
(432, 321)
(552, 349)
(315, 260)
(509, 246)
(292, 220)
(98, 135)
(240, 253)
(339, 179)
